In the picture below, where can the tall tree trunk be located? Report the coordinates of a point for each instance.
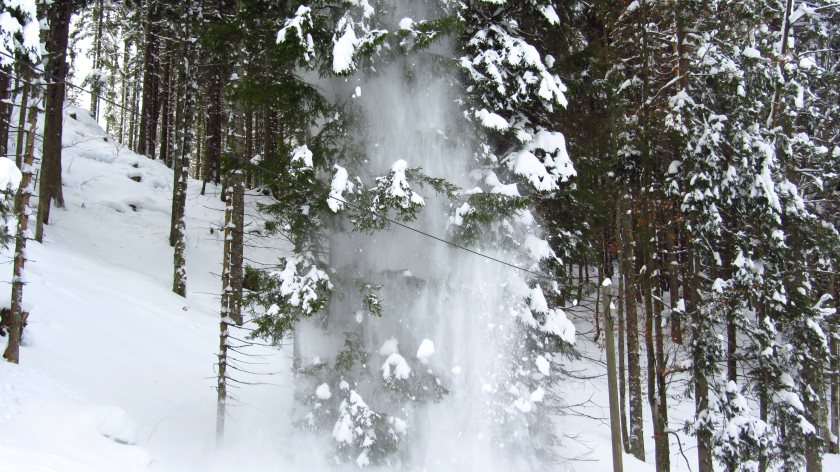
(269, 125)
(249, 145)
(701, 383)
(236, 187)
(654, 281)
(132, 121)
(763, 387)
(215, 124)
(232, 281)
(179, 196)
(834, 347)
(673, 282)
(731, 328)
(777, 86)
(16, 316)
(816, 410)
(615, 419)
(663, 450)
(149, 105)
(213, 129)
(58, 15)
(5, 108)
(650, 353)
(166, 111)
(622, 377)
(98, 13)
(226, 320)
(21, 127)
(637, 438)
(124, 93)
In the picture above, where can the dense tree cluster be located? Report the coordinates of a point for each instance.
(683, 152)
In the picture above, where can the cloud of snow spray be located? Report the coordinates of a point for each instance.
(444, 310)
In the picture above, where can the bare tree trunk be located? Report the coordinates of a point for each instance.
(5, 108)
(179, 196)
(597, 308)
(663, 450)
(24, 102)
(673, 283)
(637, 439)
(132, 122)
(269, 145)
(834, 344)
(225, 322)
(701, 383)
(58, 14)
(731, 329)
(165, 124)
(763, 387)
(124, 94)
(149, 107)
(98, 12)
(213, 131)
(16, 317)
(777, 89)
(221, 386)
(180, 127)
(657, 394)
(249, 145)
(199, 148)
(622, 377)
(817, 411)
(615, 420)
(236, 189)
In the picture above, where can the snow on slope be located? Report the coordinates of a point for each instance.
(111, 356)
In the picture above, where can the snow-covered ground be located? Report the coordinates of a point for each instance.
(116, 372)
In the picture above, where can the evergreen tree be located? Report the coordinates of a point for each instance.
(19, 41)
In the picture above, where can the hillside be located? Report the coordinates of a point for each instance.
(109, 350)
(117, 371)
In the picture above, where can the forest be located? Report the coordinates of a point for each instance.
(610, 229)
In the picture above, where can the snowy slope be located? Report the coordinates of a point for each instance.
(117, 372)
(109, 350)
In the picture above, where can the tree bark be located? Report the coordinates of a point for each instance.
(98, 13)
(16, 316)
(58, 15)
(124, 71)
(636, 421)
(166, 111)
(834, 352)
(21, 132)
(673, 282)
(615, 419)
(763, 387)
(149, 104)
(179, 197)
(657, 282)
(816, 410)
(132, 122)
(622, 378)
(5, 108)
(701, 383)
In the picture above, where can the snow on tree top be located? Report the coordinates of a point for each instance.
(344, 48)
(323, 391)
(396, 365)
(425, 351)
